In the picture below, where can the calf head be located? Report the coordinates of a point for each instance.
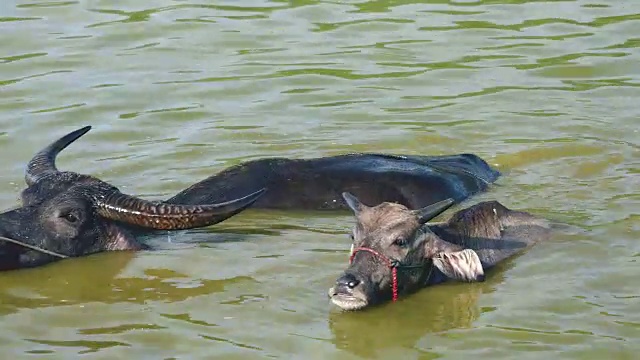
(66, 214)
(393, 252)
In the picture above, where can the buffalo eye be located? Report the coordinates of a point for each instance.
(70, 217)
(400, 241)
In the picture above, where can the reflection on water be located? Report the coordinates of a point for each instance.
(36, 288)
(177, 90)
(403, 324)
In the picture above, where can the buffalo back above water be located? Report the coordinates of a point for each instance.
(317, 183)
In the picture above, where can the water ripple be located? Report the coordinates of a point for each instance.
(119, 329)
(321, 27)
(13, 58)
(17, 80)
(46, 4)
(11, 19)
(91, 346)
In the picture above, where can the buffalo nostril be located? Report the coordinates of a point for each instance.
(348, 280)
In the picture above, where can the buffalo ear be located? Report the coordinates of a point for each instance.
(429, 212)
(461, 265)
(353, 202)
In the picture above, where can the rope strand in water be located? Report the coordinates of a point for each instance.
(33, 247)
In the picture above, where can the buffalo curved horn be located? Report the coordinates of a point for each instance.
(163, 216)
(429, 212)
(44, 162)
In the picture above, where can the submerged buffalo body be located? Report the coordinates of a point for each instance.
(66, 214)
(395, 251)
(317, 183)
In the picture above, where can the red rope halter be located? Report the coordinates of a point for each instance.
(391, 264)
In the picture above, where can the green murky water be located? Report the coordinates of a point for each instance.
(547, 91)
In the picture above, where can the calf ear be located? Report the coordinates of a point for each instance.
(461, 265)
(353, 202)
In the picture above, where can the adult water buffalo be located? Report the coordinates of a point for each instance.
(395, 251)
(66, 214)
(317, 183)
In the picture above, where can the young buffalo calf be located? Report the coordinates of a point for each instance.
(395, 251)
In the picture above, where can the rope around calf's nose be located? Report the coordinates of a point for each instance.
(393, 265)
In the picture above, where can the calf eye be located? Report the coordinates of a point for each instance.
(351, 236)
(400, 241)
